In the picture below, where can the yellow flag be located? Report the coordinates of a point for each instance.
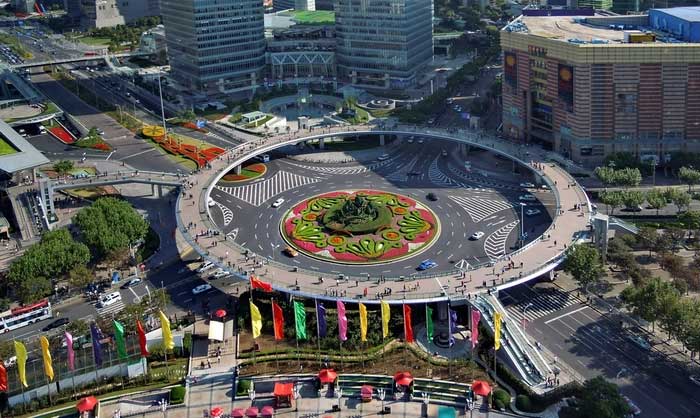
(363, 322)
(497, 330)
(48, 365)
(21, 352)
(385, 319)
(255, 320)
(168, 342)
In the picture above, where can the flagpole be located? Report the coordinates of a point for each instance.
(318, 334)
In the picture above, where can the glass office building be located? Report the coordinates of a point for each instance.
(383, 43)
(215, 46)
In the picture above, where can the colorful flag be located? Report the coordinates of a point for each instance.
(453, 326)
(48, 363)
(300, 320)
(21, 352)
(255, 320)
(429, 323)
(142, 339)
(476, 317)
(385, 318)
(407, 326)
(96, 336)
(3, 378)
(71, 353)
(256, 283)
(278, 321)
(363, 322)
(497, 330)
(168, 342)
(119, 337)
(321, 319)
(342, 321)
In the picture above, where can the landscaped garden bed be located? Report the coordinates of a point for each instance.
(248, 172)
(360, 227)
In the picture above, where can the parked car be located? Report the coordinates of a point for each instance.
(277, 203)
(201, 288)
(55, 324)
(532, 212)
(527, 198)
(109, 299)
(527, 185)
(476, 236)
(131, 283)
(427, 264)
(219, 273)
(204, 267)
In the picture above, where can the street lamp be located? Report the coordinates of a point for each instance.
(522, 223)
(163, 406)
(340, 395)
(251, 395)
(529, 305)
(274, 248)
(297, 395)
(381, 393)
(426, 402)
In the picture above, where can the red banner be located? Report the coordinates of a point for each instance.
(142, 339)
(407, 326)
(256, 283)
(3, 378)
(278, 319)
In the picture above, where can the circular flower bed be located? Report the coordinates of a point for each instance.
(248, 172)
(360, 226)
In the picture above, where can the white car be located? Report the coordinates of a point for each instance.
(420, 141)
(109, 299)
(277, 203)
(532, 212)
(210, 202)
(527, 198)
(527, 185)
(477, 235)
(204, 267)
(219, 273)
(201, 288)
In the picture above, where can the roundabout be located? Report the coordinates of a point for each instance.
(482, 237)
(360, 227)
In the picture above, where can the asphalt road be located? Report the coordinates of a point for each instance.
(465, 205)
(593, 343)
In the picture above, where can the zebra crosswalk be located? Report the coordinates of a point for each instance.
(479, 208)
(226, 212)
(480, 180)
(438, 178)
(112, 309)
(542, 305)
(343, 170)
(495, 244)
(259, 192)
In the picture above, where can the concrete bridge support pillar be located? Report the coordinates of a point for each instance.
(238, 169)
(160, 190)
(322, 143)
(382, 141)
(154, 191)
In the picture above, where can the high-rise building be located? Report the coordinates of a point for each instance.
(383, 43)
(308, 5)
(215, 46)
(108, 13)
(23, 6)
(596, 4)
(590, 86)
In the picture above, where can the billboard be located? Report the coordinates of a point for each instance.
(510, 68)
(566, 84)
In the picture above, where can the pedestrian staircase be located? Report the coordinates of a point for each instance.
(525, 359)
(618, 224)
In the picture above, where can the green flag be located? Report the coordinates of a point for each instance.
(300, 320)
(119, 337)
(429, 322)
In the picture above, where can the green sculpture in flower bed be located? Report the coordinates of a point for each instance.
(360, 227)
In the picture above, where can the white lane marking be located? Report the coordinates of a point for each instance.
(565, 315)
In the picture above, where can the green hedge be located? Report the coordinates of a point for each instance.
(243, 387)
(523, 403)
(177, 395)
(502, 395)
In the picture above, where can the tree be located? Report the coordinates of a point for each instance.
(628, 177)
(689, 176)
(690, 220)
(80, 276)
(612, 200)
(622, 160)
(598, 398)
(650, 300)
(63, 167)
(110, 225)
(606, 175)
(679, 198)
(656, 199)
(78, 328)
(583, 262)
(632, 198)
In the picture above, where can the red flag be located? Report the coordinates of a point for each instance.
(142, 339)
(256, 283)
(3, 378)
(278, 319)
(407, 327)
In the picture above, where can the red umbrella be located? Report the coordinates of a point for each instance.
(216, 411)
(87, 404)
(403, 378)
(251, 412)
(481, 388)
(327, 376)
(237, 413)
(220, 313)
(267, 411)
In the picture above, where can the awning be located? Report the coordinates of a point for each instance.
(220, 313)
(251, 412)
(217, 411)
(403, 378)
(237, 413)
(366, 391)
(481, 388)
(216, 331)
(283, 389)
(268, 411)
(87, 404)
(327, 376)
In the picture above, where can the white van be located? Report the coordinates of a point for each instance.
(108, 299)
(264, 158)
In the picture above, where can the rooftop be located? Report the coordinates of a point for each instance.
(26, 156)
(568, 27)
(691, 14)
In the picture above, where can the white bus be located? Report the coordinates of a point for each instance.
(25, 315)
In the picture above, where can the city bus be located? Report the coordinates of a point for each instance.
(25, 315)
